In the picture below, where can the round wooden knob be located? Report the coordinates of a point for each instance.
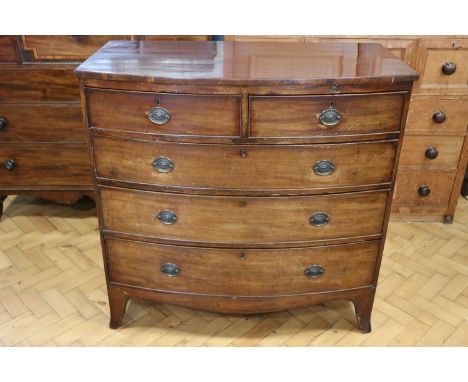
(424, 190)
(449, 68)
(3, 123)
(9, 164)
(431, 153)
(439, 117)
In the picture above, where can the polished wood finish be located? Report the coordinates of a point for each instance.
(52, 122)
(252, 220)
(45, 164)
(243, 272)
(237, 222)
(190, 114)
(40, 105)
(299, 115)
(245, 167)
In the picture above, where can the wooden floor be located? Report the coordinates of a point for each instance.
(52, 292)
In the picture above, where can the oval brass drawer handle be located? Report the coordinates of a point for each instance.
(159, 115)
(431, 153)
(163, 164)
(330, 117)
(314, 271)
(324, 167)
(319, 219)
(424, 190)
(449, 68)
(3, 123)
(170, 269)
(167, 217)
(9, 164)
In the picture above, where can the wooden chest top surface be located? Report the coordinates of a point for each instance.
(245, 63)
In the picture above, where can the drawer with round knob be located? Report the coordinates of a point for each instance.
(309, 116)
(422, 189)
(241, 272)
(430, 152)
(41, 123)
(443, 66)
(438, 115)
(44, 164)
(164, 113)
(243, 220)
(245, 167)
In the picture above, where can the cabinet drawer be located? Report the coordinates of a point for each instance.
(187, 114)
(244, 167)
(408, 185)
(437, 74)
(33, 84)
(63, 47)
(442, 115)
(431, 152)
(7, 49)
(300, 116)
(224, 219)
(240, 272)
(45, 165)
(41, 123)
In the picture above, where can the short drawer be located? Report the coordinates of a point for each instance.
(423, 189)
(443, 66)
(245, 167)
(306, 116)
(38, 84)
(241, 272)
(41, 123)
(431, 152)
(44, 164)
(163, 113)
(63, 47)
(7, 49)
(441, 115)
(236, 220)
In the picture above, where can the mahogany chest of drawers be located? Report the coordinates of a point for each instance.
(244, 177)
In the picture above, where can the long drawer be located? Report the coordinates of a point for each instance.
(172, 114)
(51, 122)
(232, 220)
(303, 116)
(44, 165)
(237, 272)
(38, 83)
(247, 167)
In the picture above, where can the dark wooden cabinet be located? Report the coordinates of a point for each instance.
(244, 177)
(43, 149)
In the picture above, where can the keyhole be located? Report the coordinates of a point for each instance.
(242, 203)
(243, 153)
(158, 102)
(242, 256)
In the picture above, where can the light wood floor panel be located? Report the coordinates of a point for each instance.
(53, 293)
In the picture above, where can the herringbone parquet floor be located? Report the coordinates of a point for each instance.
(52, 292)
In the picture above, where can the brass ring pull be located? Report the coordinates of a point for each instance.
(163, 164)
(324, 167)
(170, 269)
(319, 219)
(314, 271)
(330, 117)
(167, 217)
(159, 115)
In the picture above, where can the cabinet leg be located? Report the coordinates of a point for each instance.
(363, 307)
(117, 304)
(448, 219)
(2, 199)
